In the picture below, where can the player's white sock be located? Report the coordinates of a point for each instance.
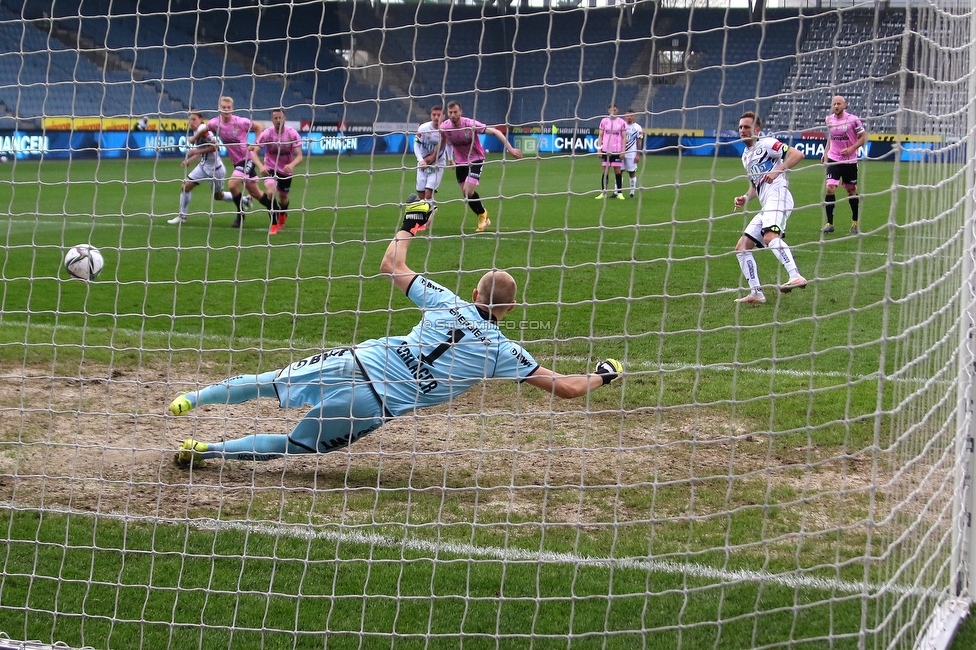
(633, 184)
(782, 250)
(228, 197)
(748, 265)
(184, 203)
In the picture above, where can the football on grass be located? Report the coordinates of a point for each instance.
(84, 262)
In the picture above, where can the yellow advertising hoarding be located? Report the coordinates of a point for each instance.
(114, 124)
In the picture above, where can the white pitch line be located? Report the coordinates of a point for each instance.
(692, 570)
(438, 548)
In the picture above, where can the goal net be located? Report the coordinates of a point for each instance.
(792, 473)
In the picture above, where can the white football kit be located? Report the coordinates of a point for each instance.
(775, 198)
(425, 143)
(632, 136)
(210, 169)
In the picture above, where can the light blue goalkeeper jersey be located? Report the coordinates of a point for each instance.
(454, 347)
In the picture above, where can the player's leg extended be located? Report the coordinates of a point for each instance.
(254, 189)
(348, 412)
(230, 391)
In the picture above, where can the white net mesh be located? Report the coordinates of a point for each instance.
(793, 474)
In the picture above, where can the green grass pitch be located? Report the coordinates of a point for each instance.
(650, 281)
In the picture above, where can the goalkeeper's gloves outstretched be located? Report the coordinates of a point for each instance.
(609, 370)
(416, 215)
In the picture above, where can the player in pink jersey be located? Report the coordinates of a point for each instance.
(232, 131)
(469, 156)
(845, 135)
(610, 145)
(282, 153)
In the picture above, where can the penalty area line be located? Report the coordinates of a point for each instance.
(437, 548)
(464, 550)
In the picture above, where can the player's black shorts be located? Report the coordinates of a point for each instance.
(611, 158)
(282, 181)
(472, 171)
(844, 172)
(247, 168)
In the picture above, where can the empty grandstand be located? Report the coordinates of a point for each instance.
(347, 61)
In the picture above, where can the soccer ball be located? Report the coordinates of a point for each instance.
(84, 262)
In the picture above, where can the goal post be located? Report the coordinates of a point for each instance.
(797, 473)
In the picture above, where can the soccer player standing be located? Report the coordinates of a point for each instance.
(633, 147)
(431, 157)
(462, 133)
(282, 152)
(845, 135)
(232, 131)
(201, 144)
(610, 145)
(766, 161)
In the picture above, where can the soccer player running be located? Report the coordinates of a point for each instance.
(232, 131)
(766, 161)
(462, 133)
(431, 157)
(633, 147)
(202, 145)
(845, 135)
(282, 153)
(352, 391)
(610, 145)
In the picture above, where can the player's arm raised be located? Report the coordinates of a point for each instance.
(570, 386)
(394, 264)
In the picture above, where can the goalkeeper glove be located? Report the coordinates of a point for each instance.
(416, 216)
(609, 370)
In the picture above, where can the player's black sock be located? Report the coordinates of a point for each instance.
(237, 202)
(475, 202)
(855, 204)
(265, 201)
(829, 201)
(620, 183)
(273, 211)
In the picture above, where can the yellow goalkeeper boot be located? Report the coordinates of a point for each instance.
(181, 405)
(190, 454)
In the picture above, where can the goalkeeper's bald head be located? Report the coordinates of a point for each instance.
(496, 292)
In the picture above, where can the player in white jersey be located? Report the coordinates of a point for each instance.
(766, 161)
(352, 391)
(431, 158)
(201, 144)
(633, 147)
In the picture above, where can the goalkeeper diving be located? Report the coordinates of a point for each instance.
(352, 391)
